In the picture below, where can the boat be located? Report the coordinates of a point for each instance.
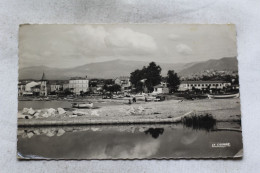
(82, 105)
(227, 96)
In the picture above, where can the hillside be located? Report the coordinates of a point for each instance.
(115, 68)
(224, 64)
(108, 69)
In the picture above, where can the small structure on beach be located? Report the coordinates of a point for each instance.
(161, 89)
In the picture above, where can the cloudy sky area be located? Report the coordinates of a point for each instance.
(66, 46)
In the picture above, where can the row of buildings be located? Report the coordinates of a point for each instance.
(44, 87)
(77, 85)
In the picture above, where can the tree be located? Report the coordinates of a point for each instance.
(115, 88)
(173, 81)
(109, 81)
(135, 79)
(81, 93)
(151, 74)
(67, 92)
(112, 88)
(105, 87)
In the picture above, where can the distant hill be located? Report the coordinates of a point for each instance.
(107, 69)
(115, 68)
(224, 64)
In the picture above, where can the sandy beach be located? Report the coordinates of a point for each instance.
(220, 109)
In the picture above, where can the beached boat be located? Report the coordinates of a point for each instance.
(223, 96)
(82, 105)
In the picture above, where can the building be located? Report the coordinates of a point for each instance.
(55, 87)
(30, 88)
(65, 85)
(21, 88)
(203, 85)
(161, 89)
(78, 85)
(43, 86)
(124, 82)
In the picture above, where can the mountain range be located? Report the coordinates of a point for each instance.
(116, 68)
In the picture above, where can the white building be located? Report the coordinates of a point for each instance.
(55, 87)
(78, 85)
(161, 89)
(189, 85)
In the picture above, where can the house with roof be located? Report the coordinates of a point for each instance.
(189, 85)
(161, 88)
(124, 82)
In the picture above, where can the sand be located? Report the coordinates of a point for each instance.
(220, 109)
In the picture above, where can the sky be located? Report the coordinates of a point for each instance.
(66, 46)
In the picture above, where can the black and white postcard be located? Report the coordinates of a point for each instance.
(128, 91)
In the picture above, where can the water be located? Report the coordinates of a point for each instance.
(126, 142)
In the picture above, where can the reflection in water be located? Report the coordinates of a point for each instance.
(121, 142)
(155, 132)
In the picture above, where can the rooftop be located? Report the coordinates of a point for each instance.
(78, 78)
(123, 78)
(43, 77)
(160, 86)
(202, 82)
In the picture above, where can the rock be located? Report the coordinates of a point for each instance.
(36, 115)
(141, 129)
(39, 111)
(94, 113)
(131, 110)
(51, 111)
(25, 110)
(61, 111)
(60, 132)
(37, 132)
(94, 129)
(31, 111)
(140, 109)
(30, 134)
(72, 116)
(28, 117)
(24, 135)
(21, 116)
(50, 133)
(44, 131)
(45, 115)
